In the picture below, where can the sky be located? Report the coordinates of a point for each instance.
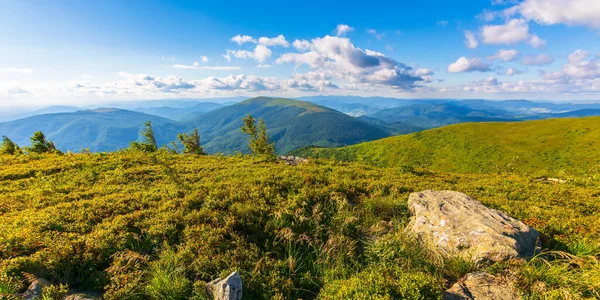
(82, 52)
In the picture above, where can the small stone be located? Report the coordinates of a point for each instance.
(34, 291)
(229, 288)
(480, 286)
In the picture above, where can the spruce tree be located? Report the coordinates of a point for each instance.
(39, 144)
(191, 143)
(9, 147)
(149, 143)
(259, 143)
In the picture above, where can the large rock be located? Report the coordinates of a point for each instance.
(456, 224)
(480, 286)
(229, 288)
(34, 291)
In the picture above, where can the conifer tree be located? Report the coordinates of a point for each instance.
(9, 147)
(191, 143)
(149, 144)
(259, 143)
(39, 144)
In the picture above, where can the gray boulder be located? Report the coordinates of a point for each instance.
(456, 224)
(229, 288)
(34, 291)
(480, 286)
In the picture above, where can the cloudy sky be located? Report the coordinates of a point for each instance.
(81, 52)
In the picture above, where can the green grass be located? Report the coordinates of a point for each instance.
(555, 147)
(140, 226)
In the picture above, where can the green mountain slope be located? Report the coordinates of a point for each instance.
(548, 146)
(104, 129)
(291, 125)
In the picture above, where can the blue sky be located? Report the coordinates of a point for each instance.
(80, 52)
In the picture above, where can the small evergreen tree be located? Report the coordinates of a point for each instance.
(9, 147)
(39, 144)
(191, 143)
(259, 143)
(149, 144)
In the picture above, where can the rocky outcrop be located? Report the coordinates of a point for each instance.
(480, 286)
(292, 160)
(456, 224)
(229, 288)
(34, 291)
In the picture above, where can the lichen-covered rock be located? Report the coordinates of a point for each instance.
(229, 288)
(480, 286)
(456, 224)
(34, 291)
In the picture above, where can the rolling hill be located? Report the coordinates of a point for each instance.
(543, 147)
(291, 124)
(103, 129)
(179, 113)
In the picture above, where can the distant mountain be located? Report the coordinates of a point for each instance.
(46, 110)
(178, 113)
(545, 147)
(291, 124)
(435, 115)
(570, 114)
(104, 129)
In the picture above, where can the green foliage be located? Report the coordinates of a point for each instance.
(149, 143)
(542, 148)
(191, 143)
(39, 144)
(9, 285)
(259, 143)
(384, 282)
(9, 147)
(55, 292)
(138, 226)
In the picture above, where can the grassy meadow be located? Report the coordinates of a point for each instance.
(136, 225)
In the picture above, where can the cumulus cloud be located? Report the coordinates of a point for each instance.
(464, 64)
(512, 32)
(204, 59)
(569, 12)
(512, 71)
(275, 41)
(18, 70)
(261, 53)
(301, 45)
(339, 58)
(242, 39)
(539, 60)
(470, 40)
(582, 65)
(343, 29)
(504, 55)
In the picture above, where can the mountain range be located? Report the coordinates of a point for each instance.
(321, 121)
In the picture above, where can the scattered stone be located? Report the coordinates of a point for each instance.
(480, 286)
(229, 288)
(292, 160)
(456, 224)
(552, 180)
(34, 291)
(83, 296)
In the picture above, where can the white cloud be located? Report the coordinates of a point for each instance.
(17, 91)
(569, 12)
(470, 40)
(242, 39)
(539, 60)
(512, 71)
(464, 64)
(343, 29)
(264, 66)
(276, 41)
(338, 58)
(377, 35)
(18, 70)
(582, 65)
(261, 53)
(204, 59)
(512, 32)
(505, 55)
(442, 23)
(301, 45)
(197, 66)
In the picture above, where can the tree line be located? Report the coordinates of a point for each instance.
(259, 142)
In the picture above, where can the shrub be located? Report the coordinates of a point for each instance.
(167, 279)
(259, 140)
(9, 285)
(191, 143)
(55, 292)
(9, 147)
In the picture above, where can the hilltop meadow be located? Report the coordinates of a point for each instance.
(137, 225)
